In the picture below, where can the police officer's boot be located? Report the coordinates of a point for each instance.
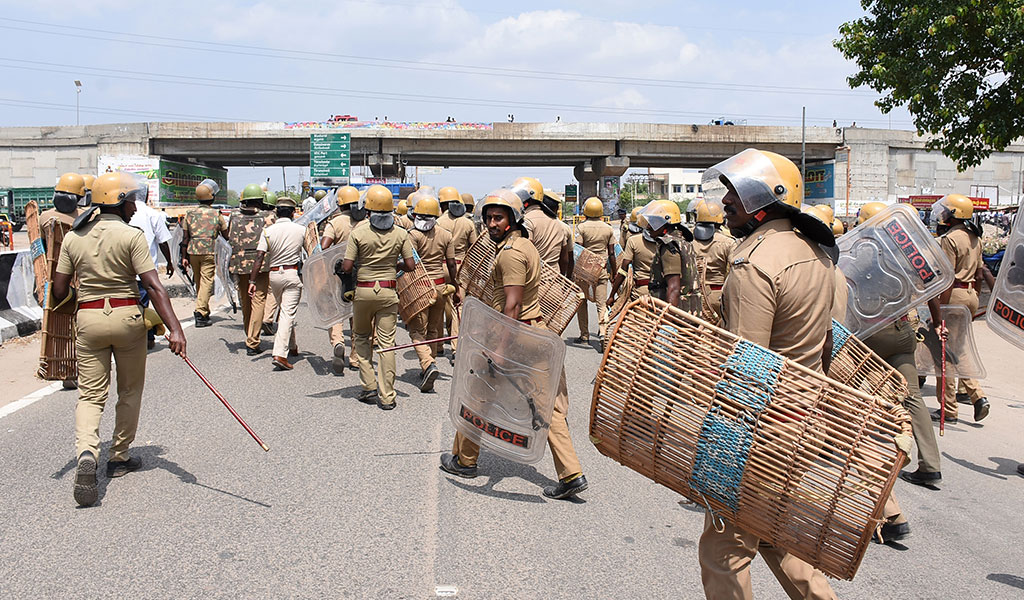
(570, 486)
(86, 493)
(200, 320)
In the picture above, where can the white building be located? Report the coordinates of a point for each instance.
(678, 185)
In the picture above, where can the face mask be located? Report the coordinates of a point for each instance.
(357, 213)
(647, 235)
(424, 223)
(85, 200)
(65, 203)
(456, 209)
(633, 228)
(382, 220)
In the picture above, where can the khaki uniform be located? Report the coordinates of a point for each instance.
(244, 233)
(766, 301)
(337, 230)
(595, 235)
(65, 218)
(518, 263)
(716, 253)
(842, 297)
(282, 243)
(107, 255)
(963, 249)
(435, 247)
(202, 226)
(549, 235)
(377, 253)
(464, 235)
(639, 253)
(403, 221)
(623, 232)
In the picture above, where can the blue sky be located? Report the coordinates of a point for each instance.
(673, 62)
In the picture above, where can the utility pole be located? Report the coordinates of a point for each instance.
(284, 180)
(78, 93)
(803, 145)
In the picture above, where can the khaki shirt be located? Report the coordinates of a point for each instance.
(842, 297)
(106, 255)
(640, 253)
(202, 225)
(338, 229)
(624, 232)
(66, 218)
(282, 242)
(517, 263)
(595, 236)
(403, 221)
(547, 234)
(463, 233)
(671, 261)
(716, 252)
(434, 247)
(779, 293)
(963, 250)
(377, 252)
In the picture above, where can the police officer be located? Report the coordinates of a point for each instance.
(464, 235)
(470, 203)
(270, 308)
(552, 238)
(337, 232)
(110, 323)
(673, 269)
(280, 247)
(623, 225)
(244, 232)
(201, 227)
(714, 246)
(67, 194)
(86, 200)
(401, 211)
(638, 253)
(766, 300)
(960, 241)
(379, 248)
(437, 255)
(516, 281)
(598, 237)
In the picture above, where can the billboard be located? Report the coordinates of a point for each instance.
(144, 166)
(171, 183)
(925, 201)
(819, 182)
(608, 191)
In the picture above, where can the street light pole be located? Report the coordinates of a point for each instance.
(78, 93)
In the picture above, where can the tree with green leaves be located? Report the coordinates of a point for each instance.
(958, 66)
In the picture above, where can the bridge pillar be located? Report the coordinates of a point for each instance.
(587, 178)
(590, 173)
(385, 165)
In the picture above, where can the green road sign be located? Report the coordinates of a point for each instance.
(570, 193)
(329, 154)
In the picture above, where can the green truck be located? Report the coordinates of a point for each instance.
(13, 201)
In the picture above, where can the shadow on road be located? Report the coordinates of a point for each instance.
(233, 347)
(510, 469)
(1004, 466)
(1010, 580)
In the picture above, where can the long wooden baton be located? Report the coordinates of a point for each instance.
(414, 344)
(942, 395)
(226, 405)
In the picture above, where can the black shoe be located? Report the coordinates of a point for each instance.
(388, 406)
(150, 343)
(582, 340)
(120, 468)
(69, 384)
(980, 409)
(268, 329)
(922, 478)
(564, 489)
(1020, 469)
(892, 532)
(450, 464)
(936, 415)
(451, 359)
(338, 361)
(200, 320)
(367, 396)
(429, 376)
(963, 399)
(253, 351)
(86, 493)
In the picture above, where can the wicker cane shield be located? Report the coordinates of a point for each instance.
(416, 293)
(58, 360)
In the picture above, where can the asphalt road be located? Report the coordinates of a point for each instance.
(349, 502)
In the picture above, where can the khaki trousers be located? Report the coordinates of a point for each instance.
(252, 308)
(896, 344)
(715, 301)
(204, 268)
(102, 333)
(451, 321)
(427, 325)
(969, 298)
(287, 289)
(600, 295)
(380, 306)
(337, 336)
(725, 566)
(559, 440)
(270, 312)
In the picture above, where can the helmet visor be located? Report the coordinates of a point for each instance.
(749, 173)
(940, 213)
(653, 216)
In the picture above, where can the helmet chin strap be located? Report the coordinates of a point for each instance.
(747, 228)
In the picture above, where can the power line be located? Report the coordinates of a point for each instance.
(103, 110)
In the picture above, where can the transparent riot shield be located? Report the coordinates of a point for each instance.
(184, 275)
(223, 282)
(962, 357)
(321, 210)
(892, 264)
(1006, 307)
(505, 382)
(322, 287)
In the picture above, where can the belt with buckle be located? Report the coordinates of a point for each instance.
(714, 287)
(641, 282)
(284, 268)
(114, 303)
(963, 286)
(439, 281)
(384, 283)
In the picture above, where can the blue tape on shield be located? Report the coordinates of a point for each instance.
(840, 335)
(37, 248)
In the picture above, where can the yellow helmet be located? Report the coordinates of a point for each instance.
(468, 200)
(593, 207)
(528, 188)
(838, 228)
(114, 189)
(427, 206)
(955, 206)
(759, 177)
(659, 213)
(71, 183)
(206, 190)
(448, 194)
(89, 180)
(709, 212)
(507, 198)
(634, 216)
(402, 208)
(378, 198)
(818, 213)
(827, 209)
(346, 195)
(869, 210)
